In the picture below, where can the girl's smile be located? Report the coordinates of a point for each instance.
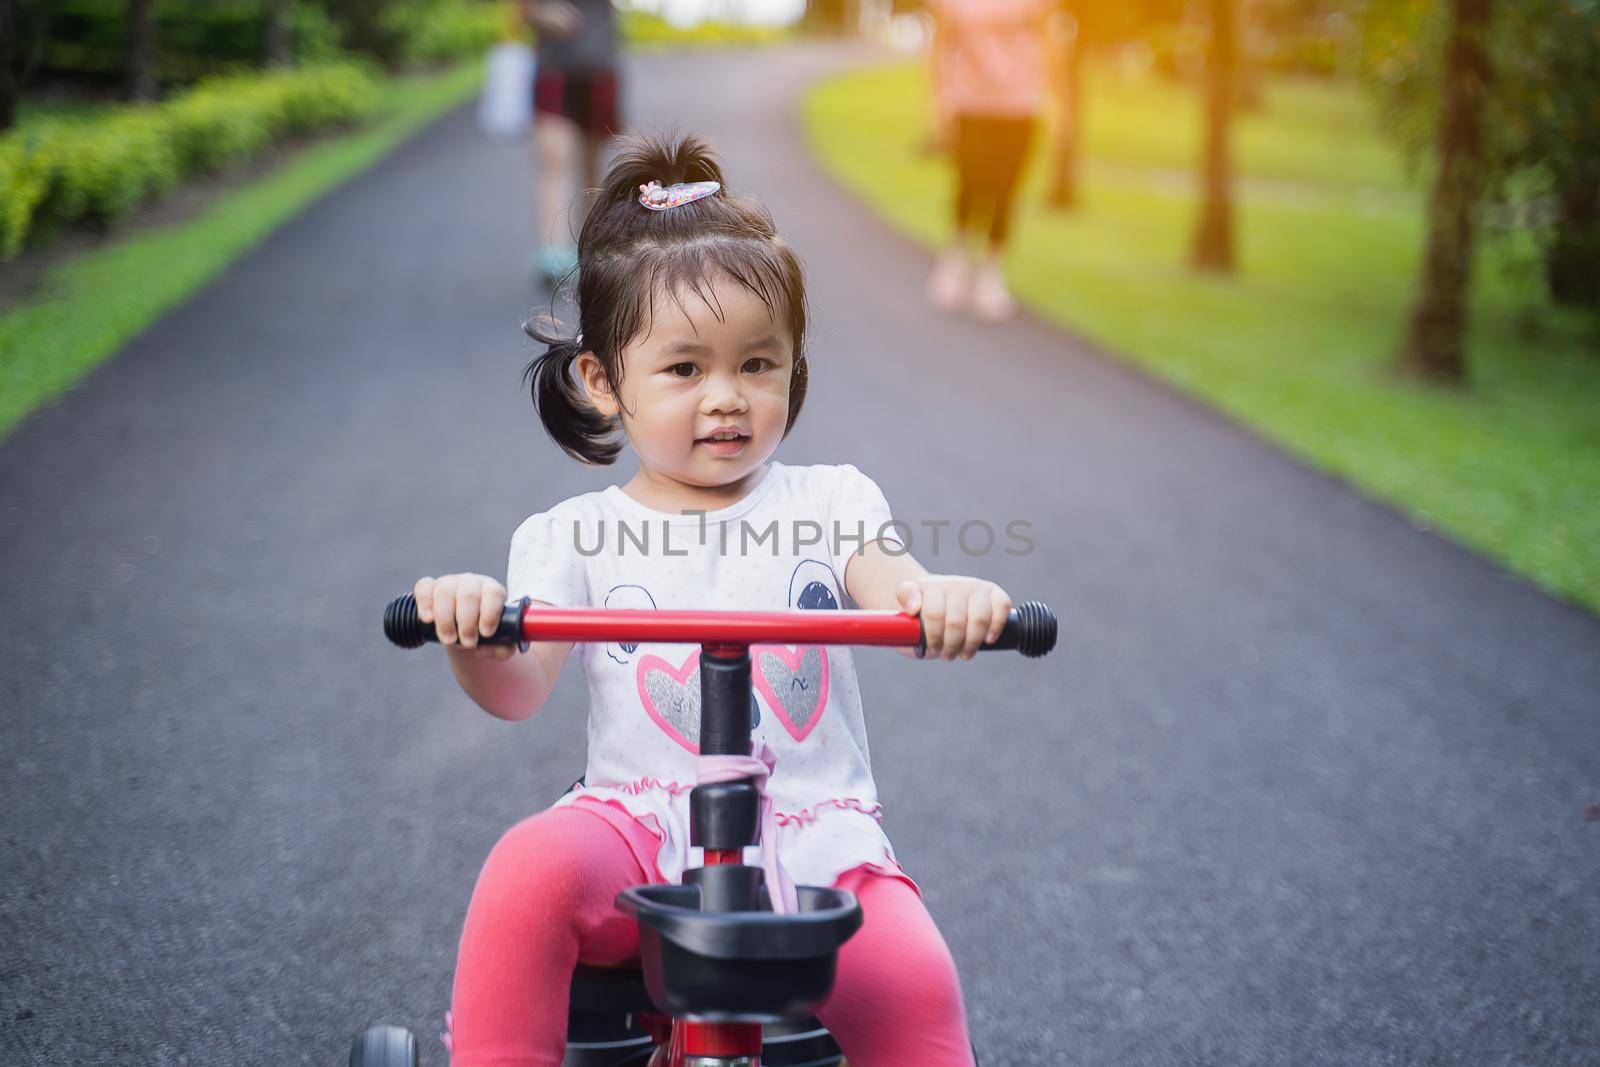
(725, 441)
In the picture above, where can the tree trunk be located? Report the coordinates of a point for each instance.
(1213, 246)
(1069, 118)
(280, 46)
(1435, 349)
(141, 50)
(1250, 93)
(1572, 259)
(831, 16)
(8, 86)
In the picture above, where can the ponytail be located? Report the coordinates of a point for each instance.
(641, 159)
(569, 418)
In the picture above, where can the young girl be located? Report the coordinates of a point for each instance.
(691, 347)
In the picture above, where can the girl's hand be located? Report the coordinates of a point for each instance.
(959, 614)
(463, 608)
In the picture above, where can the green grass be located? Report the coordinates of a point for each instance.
(88, 307)
(647, 32)
(1299, 343)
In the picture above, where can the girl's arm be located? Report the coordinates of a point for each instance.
(512, 688)
(873, 574)
(508, 686)
(958, 613)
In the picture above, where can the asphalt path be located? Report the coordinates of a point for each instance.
(1303, 784)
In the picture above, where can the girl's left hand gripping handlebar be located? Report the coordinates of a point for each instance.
(1030, 627)
(403, 626)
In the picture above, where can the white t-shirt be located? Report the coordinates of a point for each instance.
(784, 545)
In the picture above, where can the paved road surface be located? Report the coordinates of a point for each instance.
(1303, 784)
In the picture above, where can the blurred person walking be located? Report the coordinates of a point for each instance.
(991, 64)
(575, 113)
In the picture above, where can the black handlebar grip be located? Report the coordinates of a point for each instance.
(404, 627)
(1033, 626)
(1030, 629)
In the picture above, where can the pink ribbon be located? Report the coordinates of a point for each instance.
(714, 770)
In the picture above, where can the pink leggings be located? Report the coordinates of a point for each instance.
(545, 900)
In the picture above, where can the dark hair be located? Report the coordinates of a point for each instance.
(627, 253)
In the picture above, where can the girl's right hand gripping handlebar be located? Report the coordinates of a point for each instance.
(1030, 627)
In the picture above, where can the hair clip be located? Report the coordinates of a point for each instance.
(654, 197)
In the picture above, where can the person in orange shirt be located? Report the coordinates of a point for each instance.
(990, 71)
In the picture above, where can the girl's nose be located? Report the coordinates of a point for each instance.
(724, 393)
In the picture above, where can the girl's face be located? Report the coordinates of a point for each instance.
(703, 367)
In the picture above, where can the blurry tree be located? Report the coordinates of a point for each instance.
(1434, 348)
(1213, 245)
(1083, 30)
(368, 26)
(1548, 79)
(388, 30)
(280, 42)
(1572, 254)
(1305, 36)
(835, 16)
(27, 23)
(1068, 37)
(1540, 163)
(8, 83)
(1250, 74)
(1295, 36)
(84, 46)
(141, 50)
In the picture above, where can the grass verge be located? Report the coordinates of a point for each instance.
(1298, 344)
(88, 307)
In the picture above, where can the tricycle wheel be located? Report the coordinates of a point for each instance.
(384, 1046)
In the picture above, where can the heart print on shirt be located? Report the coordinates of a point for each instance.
(792, 682)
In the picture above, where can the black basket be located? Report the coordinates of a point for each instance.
(739, 966)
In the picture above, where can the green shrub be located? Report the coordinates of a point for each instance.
(24, 182)
(213, 128)
(432, 32)
(341, 93)
(224, 121)
(102, 169)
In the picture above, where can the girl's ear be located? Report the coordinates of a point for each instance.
(593, 376)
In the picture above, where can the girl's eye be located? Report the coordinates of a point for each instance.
(756, 364)
(682, 370)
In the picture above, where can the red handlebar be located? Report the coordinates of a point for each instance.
(541, 623)
(1030, 627)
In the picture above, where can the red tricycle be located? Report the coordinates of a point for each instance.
(723, 980)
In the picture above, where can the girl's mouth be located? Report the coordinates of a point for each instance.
(730, 446)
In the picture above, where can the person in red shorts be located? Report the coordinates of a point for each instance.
(575, 112)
